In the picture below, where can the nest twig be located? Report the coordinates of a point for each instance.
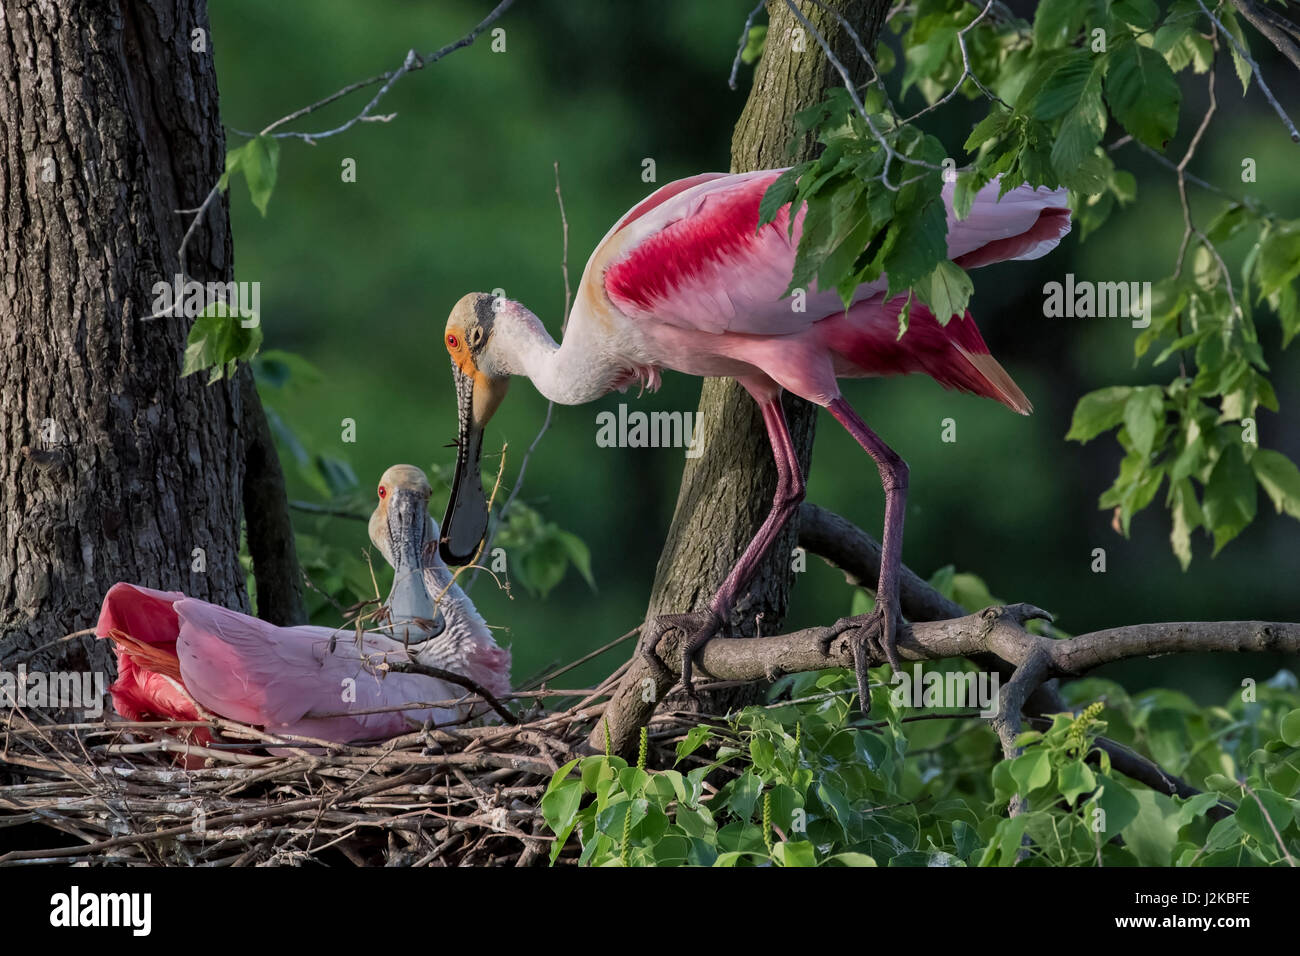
(114, 792)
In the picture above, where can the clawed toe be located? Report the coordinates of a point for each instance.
(697, 626)
(871, 636)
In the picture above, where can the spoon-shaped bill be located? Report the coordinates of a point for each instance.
(411, 611)
(466, 520)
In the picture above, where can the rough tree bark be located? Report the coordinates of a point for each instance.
(727, 492)
(111, 466)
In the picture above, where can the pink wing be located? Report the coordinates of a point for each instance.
(695, 261)
(174, 653)
(148, 685)
(313, 681)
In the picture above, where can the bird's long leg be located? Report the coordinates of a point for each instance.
(882, 623)
(789, 492)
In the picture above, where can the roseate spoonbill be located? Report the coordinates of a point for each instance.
(178, 657)
(686, 281)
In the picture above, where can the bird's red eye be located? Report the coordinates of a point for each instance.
(383, 492)
(453, 342)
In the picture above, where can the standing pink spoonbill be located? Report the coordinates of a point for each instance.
(687, 281)
(179, 657)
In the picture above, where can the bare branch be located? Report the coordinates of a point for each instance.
(1259, 76)
(744, 41)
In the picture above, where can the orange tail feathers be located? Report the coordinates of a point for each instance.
(1000, 385)
(149, 657)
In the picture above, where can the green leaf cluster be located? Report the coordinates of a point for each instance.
(1055, 87)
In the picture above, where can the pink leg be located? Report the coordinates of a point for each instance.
(789, 492)
(894, 477)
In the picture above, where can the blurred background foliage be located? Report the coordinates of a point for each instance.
(457, 194)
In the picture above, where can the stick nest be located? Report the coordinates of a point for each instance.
(112, 792)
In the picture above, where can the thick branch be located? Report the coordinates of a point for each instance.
(994, 630)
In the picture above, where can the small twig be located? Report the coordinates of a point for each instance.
(744, 42)
(1259, 76)
(415, 667)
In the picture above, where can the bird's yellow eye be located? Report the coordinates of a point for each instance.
(383, 492)
(453, 343)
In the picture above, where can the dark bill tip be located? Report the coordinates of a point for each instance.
(466, 521)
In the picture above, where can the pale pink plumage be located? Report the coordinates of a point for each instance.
(703, 292)
(178, 657)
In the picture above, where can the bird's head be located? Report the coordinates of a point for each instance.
(400, 528)
(482, 375)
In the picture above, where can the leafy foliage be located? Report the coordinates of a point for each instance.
(259, 161)
(218, 341)
(804, 781)
(1054, 88)
(799, 783)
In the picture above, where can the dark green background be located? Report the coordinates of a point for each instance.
(456, 194)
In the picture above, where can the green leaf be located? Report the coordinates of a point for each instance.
(1239, 62)
(1056, 22)
(1250, 816)
(779, 193)
(949, 291)
(1098, 412)
(261, 160)
(1187, 517)
(695, 737)
(217, 340)
(798, 853)
(542, 566)
(988, 128)
(1229, 496)
(920, 244)
(1280, 478)
(560, 805)
(850, 859)
(1073, 153)
(234, 160)
(1032, 770)
(1118, 803)
(1064, 86)
(1279, 259)
(1143, 93)
(276, 368)
(1140, 13)
(1144, 414)
(924, 59)
(1075, 778)
(1153, 833)
(754, 44)
(578, 553)
(1290, 729)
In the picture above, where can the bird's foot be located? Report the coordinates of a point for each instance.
(697, 626)
(873, 635)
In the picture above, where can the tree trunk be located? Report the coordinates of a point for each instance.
(727, 492)
(112, 467)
